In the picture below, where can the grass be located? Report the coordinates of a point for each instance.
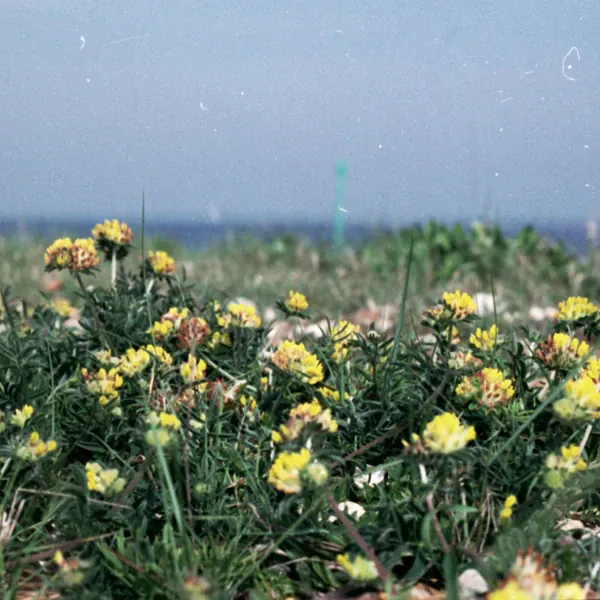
(209, 459)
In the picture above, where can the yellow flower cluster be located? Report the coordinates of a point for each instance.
(290, 468)
(296, 360)
(575, 308)
(35, 448)
(193, 370)
(329, 394)
(301, 416)
(562, 351)
(460, 305)
(134, 361)
(560, 467)
(506, 512)
(161, 262)
(103, 481)
(342, 334)
(79, 255)
(360, 568)
(169, 323)
(484, 340)
(460, 359)
(240, 315)
(164, 428)
(488, 387)
(113, 232)
(296, 302)
(445, 434)
(22, 415)
(62, 308)
(530, 579)
(103, 384)
(161, 355)
(581, 401)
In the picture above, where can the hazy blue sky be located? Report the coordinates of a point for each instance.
(434, 106)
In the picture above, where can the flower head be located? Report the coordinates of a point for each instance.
(161, 263)
(575, 308)
(296, 302)
(83, 255)
(105, 385)
(103, 481)
(192, 332)
(460, 305)
(296, 360)
(22, 415)
(58, 254)
(134, 361)
(506, 512)
(562, 351)
(581, 401)
(302, 416)
(163, 428)
(488, 387)
(289, 468)
(35, 448)
(445, 434)
(561, 466)
(113, 236)
(62, 308)
(484, 340)
(241, 315)
(359, 568)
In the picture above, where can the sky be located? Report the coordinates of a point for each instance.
(240, 111)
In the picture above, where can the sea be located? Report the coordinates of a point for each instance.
(197, 236)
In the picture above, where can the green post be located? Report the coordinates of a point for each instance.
(339, 210)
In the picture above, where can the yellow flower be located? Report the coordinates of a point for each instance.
(241, 315)
(511, 591)
(569, 460)
(445, 434)
(83, 255)
(570, 591)
(342, 334)
(296, 360)
(134, 361)
(302, 415)
(22, 415)
(161, 262)
(484, 340)
(459, 304)
(35, 448)
(329, 394)
(193, 370)
(103, 384)
(562, 351)
(506, 512)
(160, 330)
(360, 568)
(285, 473)
(114, 232)
(488, 387)
(103, 481)
(581, 401)
(575, 308)
(163, 428)
(62, 308)
(58, 254)
(160, 354)
(296, 302)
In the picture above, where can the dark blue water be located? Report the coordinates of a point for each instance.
(193, 235)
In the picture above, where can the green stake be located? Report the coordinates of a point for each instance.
(338, 209)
